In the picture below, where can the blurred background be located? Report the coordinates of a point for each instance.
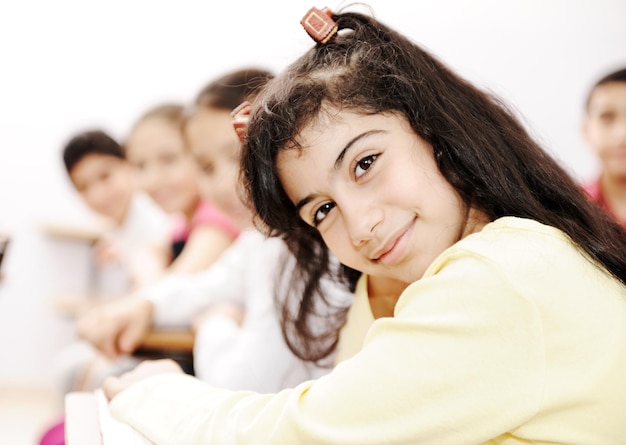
(69, 65)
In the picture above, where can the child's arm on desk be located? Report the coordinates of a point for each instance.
(117, 327)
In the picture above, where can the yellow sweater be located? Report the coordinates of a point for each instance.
(511, 337)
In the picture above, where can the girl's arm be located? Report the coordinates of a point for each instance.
(204, 245)
(148, 264)
(446, 369)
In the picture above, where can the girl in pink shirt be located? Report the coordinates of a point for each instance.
(168, 172)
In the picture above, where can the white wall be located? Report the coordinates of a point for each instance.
(69, 64)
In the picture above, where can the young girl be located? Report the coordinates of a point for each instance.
(167, 171)
(514, 327)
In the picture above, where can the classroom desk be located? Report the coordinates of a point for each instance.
(87, 234)
(176, 344)
(70, 305)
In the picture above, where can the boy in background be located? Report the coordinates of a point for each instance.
(136, 249)
(604, 129)
(133, 253)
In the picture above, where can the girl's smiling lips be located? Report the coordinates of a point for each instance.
(393, 249)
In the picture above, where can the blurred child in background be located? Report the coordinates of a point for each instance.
(164, 167)
(133, 253)
(604, 130)
(167, 171)
(136, 246)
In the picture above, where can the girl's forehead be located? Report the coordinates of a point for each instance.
(347, 122)
(328, 119)
(153, 133)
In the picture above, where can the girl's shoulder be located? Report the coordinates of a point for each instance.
(512, 233)
(525, 253)
(208, 214)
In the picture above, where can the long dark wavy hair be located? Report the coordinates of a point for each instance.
(479, 145)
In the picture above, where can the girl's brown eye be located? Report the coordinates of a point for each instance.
(363, 165)
(321, 213)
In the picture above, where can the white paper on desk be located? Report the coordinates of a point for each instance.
(113, 431)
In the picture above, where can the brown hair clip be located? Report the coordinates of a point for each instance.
(319, 24)
(241, 117)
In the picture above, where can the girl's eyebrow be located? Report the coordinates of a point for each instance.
(342, 153)
(304, 201)
(338, 162)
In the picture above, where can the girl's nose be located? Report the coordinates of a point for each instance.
(362, 222)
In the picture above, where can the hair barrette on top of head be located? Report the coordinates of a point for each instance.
(319, 24)
(241, 117)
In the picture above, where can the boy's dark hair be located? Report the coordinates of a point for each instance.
(89, 142)
(615, 76)
(228, 91)
(479, 145)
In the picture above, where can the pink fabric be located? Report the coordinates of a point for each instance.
(206, 214)
(594, 191)
(55, 435)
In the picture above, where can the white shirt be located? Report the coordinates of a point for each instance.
(143, 235)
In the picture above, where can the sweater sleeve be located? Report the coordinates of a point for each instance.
(461, 361)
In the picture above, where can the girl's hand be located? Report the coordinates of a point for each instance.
(114, 385)
(107, 252)
(118, 326)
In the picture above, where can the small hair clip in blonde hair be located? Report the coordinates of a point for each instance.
(319, 24)
(241, 117)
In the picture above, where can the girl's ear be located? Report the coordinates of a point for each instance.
(241, 117)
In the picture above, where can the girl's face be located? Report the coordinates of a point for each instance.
(372, 188)
(106, 184)
(215, 145)
(166, 169)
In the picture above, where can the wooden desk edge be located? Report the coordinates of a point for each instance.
(159, 339)
(88, 234)
(178, 340)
